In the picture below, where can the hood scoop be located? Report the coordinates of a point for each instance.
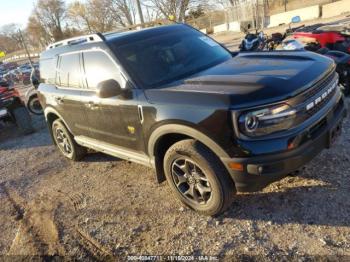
(224, 80)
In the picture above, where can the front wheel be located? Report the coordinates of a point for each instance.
(65, 142)
(197, 177)
(34, 105)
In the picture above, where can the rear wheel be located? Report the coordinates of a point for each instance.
(65, 142)
(23, 120)
(198, 178)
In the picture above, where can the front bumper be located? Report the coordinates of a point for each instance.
(263, 169)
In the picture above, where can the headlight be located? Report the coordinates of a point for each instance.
(266, 121)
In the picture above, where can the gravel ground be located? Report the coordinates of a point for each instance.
(103, 206)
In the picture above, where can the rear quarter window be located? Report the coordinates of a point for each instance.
(48, 70)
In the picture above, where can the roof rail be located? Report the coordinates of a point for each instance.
(98, 37)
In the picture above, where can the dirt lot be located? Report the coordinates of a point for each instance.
(105, 206)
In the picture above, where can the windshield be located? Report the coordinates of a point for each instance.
(171, 56)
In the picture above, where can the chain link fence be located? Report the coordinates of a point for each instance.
(251, 12)
(254, 12)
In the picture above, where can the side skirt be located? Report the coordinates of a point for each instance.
(113, 150)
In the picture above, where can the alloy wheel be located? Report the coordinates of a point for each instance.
(191, 181)
(63, 142)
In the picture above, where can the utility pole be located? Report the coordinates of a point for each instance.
(285, 5)
(140, 12)
(25, 47)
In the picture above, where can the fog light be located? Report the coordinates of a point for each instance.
(235, 166)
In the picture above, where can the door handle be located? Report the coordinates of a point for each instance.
(59, 100)
(91, 105)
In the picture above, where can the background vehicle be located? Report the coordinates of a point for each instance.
(252, 41)
(291, 39)
(31, 96)
(12, 109)
(334, 37)
(25, 78)
(210, 123)
(341, 59)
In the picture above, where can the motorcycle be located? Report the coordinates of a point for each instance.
(252, 41)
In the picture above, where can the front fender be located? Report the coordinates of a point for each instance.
(183, 130)
(51, 110)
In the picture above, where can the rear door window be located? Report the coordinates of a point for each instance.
(98, 68)
(69, 73)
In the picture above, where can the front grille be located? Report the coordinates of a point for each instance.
(316, 92)
(318, 107)
(319, 86)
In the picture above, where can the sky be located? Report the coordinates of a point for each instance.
(16, 11)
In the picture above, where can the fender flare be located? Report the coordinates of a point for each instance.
(183, 130)
(49, 110)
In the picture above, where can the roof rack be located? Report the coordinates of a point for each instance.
(98, 37)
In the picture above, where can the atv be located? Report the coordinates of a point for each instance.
(12, 109)
(332, 36)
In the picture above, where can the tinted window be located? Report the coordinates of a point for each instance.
(169, 56)
(99, 67)
(69, 74)
(48, 71)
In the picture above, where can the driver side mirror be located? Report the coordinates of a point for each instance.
(296, 19)
(109, 88)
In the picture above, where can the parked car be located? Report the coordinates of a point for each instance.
(12, 109)
(209, 121)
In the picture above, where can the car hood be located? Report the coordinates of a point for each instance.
(248, 79)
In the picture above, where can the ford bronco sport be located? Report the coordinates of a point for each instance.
(209, 121)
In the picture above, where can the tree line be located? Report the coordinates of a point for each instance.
(54, 20)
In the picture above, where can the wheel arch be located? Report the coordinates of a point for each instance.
(51, 115)
(165, 136)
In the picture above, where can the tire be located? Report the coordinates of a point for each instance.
(34, 106)
(190, 166)
(23, 120)
(66, 143)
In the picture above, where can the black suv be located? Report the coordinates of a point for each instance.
(209, 121)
